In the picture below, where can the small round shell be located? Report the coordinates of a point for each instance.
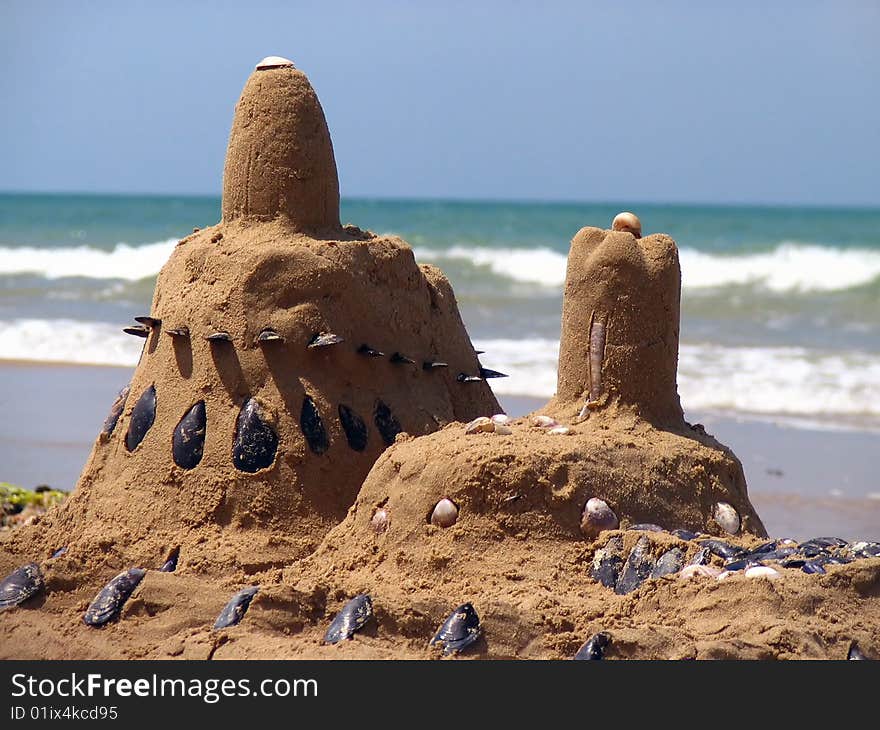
(503, 429)
(628, 222)
(544, 422)
(380, 521)
(445, 513)
(699, 571)
(560, 431)
(761, 571)
(598, 516)
(727, 518)
(501, 418)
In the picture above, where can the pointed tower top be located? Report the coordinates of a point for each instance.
(280, 161)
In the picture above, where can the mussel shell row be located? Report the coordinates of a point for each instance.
(142, 416)
(353, 616)
(459, 630)
(255, 440)
(188, 442)
(112, 597)
(115, 412)
(20, 585)
(594, 648)
(235, 609)
(387, 424)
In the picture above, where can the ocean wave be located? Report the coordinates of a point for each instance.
(123, 261)
(787, 381)
(790, 267)
(68, 341)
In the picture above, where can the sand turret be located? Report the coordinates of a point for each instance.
(280, 159)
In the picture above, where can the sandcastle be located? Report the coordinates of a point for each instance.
(283, 353)
(310, 451)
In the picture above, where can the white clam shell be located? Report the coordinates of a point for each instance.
(761, 571)
(445, 513)
(544, 422)
(481, 424)
(501, 418)
(726, 516)
(380, 520)
(274, 62)
(598, 516)
(503, 429)
(560, 430)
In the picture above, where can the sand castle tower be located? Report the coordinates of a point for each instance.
(497, 513)
(282, 354)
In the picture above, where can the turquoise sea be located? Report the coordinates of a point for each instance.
(780, 306)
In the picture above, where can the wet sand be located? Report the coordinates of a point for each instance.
(803, 482)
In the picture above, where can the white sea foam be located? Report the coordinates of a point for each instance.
(790, 267)
(786, 381)
(122, 262)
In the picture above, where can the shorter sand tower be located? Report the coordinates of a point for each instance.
(282, 354)
(510, 534)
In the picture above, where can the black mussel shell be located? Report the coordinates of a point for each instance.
(115, 412)
(142, 416)
(722, 549)
(269, 335)
(313, 427)
(637, 568)
(856, 654)
(59, 552)
(594, 648)
(149, 321)
(354, 427)
(794, 562)
(233, 612)
(219, 337)
(401, 359)
(734, 566)
(255, 441)
(170, 565)
(773, 555)
(465, 378)
(431, 364)
(137, 330)
(685, 535)
(386, 423)
(369, 351)
(112, 597)
(812, 566)
(485, 373)
(459, 630)
(863, 549)
(670, 562)
(20, 585)
(188, 442)
(645, 527)
(353, 617)
(608, 562)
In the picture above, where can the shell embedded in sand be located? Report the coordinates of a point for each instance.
(274, 62)
(544, 422)
(445, 513)
(727, 518)
(761, 571)
(699, 571)
(598, 516)
(560, 430)
(628, 222)
(380, 521)
(481, 424)
(503, 429)
(501, 418)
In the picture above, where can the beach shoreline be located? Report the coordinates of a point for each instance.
(803, 482)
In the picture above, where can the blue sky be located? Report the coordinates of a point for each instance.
(593, 101)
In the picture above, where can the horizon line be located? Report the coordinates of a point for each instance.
(471, 200)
